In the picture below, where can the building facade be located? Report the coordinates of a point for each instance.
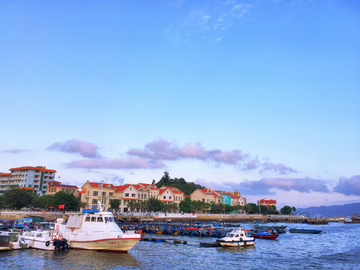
(56, 186)
(268, 202)
(35, 179)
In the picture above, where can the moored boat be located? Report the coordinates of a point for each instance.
(44, 240)
(16, 241)
(96, 231)
(237, 238)
(305, 231)
(265, 235)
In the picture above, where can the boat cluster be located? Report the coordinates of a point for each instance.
(89, 231)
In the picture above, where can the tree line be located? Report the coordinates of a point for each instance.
(16, 199)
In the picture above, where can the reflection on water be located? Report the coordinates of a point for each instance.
(237, 250)
(337, 248)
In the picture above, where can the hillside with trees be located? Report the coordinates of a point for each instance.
(180, 183)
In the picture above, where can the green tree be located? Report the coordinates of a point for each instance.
(154, 204)
(43, 201)
(286, 210)
(185, 205)
(272, 210)
(180, 183)
(17, 198)
(114, 204)
(251, 208)
(131, 206)
(69, 200)
(228, 208)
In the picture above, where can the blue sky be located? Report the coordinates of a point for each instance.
(256, 96)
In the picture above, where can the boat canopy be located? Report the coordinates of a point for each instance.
(74, 221)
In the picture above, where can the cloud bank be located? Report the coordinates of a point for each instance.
(266, 186)
(116, 163)
(348, 186)
(163, 150)
(85, 149)
(154, 153)
(15, 151)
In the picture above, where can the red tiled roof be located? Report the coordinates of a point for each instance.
(42, 169)
(98, 185)
(122, 188)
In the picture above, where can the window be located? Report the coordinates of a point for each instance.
(144, 196)
(126, 194)
(93, 219)
(99, 219)
(94, 201)
(87, 219)
(95, 193)
(164, 197)
(103, 194)
(111, 194)
(133, 195)
(106, 219)
(169, 197)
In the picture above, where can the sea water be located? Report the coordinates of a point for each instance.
(337, 247)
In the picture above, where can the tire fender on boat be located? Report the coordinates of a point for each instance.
(47, 243)
(54, 237)
(60, 237)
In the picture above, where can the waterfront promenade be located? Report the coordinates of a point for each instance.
(138, 217)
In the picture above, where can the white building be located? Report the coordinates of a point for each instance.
(31, 178)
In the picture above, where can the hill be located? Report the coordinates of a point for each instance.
(333, 210)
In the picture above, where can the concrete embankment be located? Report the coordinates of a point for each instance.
(49, 217)
(52, 216)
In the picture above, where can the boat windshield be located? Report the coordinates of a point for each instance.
(14, 237)
(230, 235)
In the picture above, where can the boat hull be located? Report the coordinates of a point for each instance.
(269, 237)
(237, 243)
(111, 244)
(305, 231)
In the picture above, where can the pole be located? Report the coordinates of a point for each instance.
(259, 207)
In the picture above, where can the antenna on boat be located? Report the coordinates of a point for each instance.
(100, 207)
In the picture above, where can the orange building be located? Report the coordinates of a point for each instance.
(56, 186)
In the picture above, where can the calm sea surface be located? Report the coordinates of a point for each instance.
(338, 247)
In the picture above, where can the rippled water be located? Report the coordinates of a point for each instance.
(338, 247)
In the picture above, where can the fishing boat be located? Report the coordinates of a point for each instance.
(305, 231)
(16, 241)
(236, 238)
(265, 235)
(44, 240)
(95, 231)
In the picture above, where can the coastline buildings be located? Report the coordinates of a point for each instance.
(267, 202)
(35, 179)
(132, 195)
(128, 195)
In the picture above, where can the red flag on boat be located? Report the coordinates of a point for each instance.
(61, 206)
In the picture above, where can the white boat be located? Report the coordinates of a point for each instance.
(95, 231)
(44, 239)
(16, 240)
(237, 238)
